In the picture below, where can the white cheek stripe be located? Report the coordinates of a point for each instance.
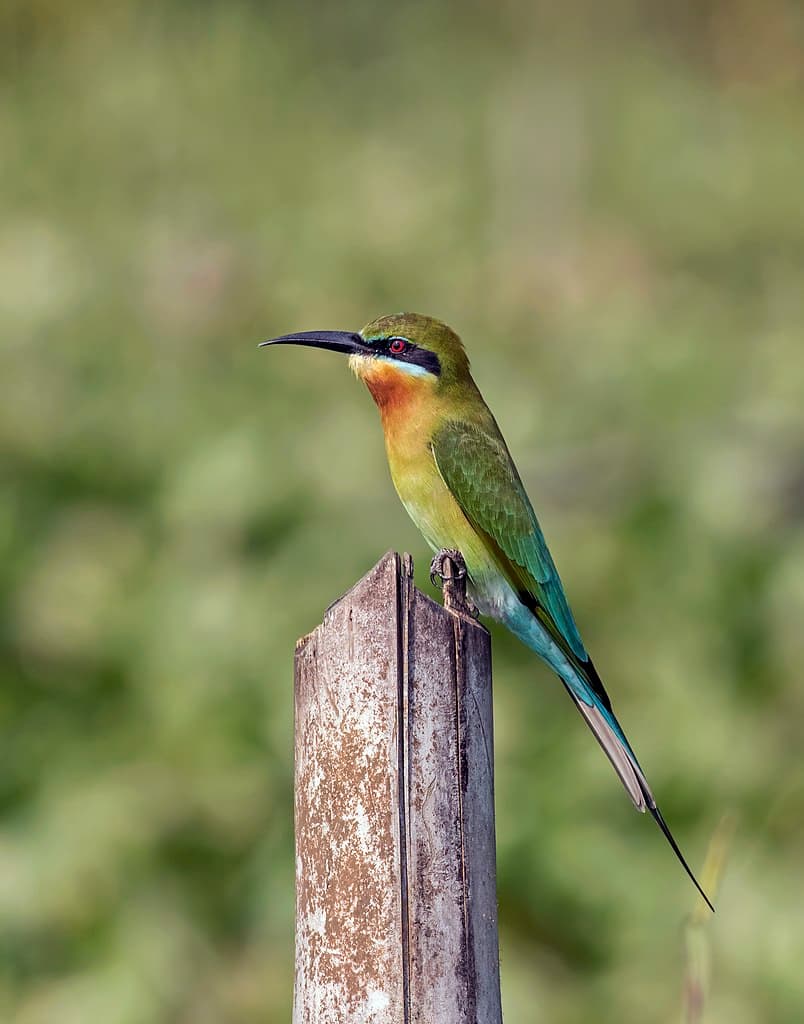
(360, 362)
(410, 368)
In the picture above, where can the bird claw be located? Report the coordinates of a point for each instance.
(449, 567)
(438, 565)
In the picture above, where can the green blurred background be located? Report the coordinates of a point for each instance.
(606, 201)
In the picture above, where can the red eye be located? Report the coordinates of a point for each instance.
(397, 345)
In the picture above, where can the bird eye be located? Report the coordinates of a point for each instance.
(397, 346)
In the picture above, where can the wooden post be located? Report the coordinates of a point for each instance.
(396, 912)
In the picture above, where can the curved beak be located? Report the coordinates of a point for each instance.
(336, 341)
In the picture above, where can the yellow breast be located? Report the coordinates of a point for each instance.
(409, 409)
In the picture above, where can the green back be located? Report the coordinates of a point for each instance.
(479, 471)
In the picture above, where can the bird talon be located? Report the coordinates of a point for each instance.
(438, 565)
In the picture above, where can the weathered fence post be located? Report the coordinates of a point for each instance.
(396, 912)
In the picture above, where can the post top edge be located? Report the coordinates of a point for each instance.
(386, 569)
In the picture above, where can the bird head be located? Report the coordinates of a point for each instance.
(403, 349)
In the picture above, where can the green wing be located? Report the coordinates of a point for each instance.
(478, 469)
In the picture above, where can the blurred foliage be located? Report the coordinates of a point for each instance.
(605, 200)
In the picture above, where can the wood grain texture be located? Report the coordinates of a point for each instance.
(349, 961)
(395, 851)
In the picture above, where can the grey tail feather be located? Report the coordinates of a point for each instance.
(636, 785)
(631, 776)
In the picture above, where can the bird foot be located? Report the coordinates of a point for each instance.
(448, 564)
(449, 567)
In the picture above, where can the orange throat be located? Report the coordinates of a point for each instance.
(407, 404)
(394, 391)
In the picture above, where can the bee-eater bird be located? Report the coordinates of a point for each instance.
(458, 482)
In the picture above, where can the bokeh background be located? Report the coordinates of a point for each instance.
(606, 201)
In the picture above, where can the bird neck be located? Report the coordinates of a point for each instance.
(412, 409)
(408, 405)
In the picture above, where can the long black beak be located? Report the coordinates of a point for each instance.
(336, 341)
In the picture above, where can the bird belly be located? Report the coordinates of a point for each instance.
(430, 504)
(440, 519)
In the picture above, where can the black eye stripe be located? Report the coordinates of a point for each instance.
(428, 360)
(409, 353)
